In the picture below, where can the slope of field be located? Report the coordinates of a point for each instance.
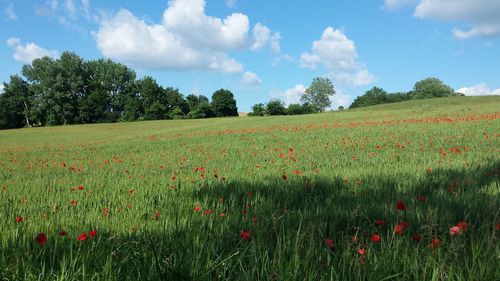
(406, 191)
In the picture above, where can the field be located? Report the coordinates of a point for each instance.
(407, 191)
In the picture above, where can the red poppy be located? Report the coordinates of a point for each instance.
(285, 177)
(330, 243)
(362, 252)
(208, 212)
(375, 238)
(81, 187)
(455, 230)
(82, 237)
(131, 192)
(421, 198)
(429, 170)
(41, 239)
(196, 169)
(435, 243)
(73, 202)
(62, 233)
(404, 224)
(463, 225)
(245, 235)
(400, 228)
(416, 237)
(379, 222)
(93, 233)
(197, 208)
(19, 219)
(254, 220)
(497, 226)
(222, 215)
(400, 205)
(174, 178)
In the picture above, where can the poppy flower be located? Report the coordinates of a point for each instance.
(400, 228)
(375, 238)
(429, 170)
(93, 233)
(73, 202)
(379, 222)
(435, 243)
(330, 243)
(463, 225)
(362, 252)
(421, 198)
(41, 239)
(81, 187)
(222, 215)
(62, 233)
(400, 205)
(245, 235)
(208, 212)
(497, 226)
(455, 230)
(19, 219)
(82, 237)
(197, 208)
(416, 237)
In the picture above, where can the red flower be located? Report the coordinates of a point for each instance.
(82, 237)
(400, 228)
(131, 192)
(81, 187)
(19, 219)
(421, 198)
(375, 238)
(463, 225)
(361, 252)
(330, 243)
(174, 178)
(222, 215)
(197, 208)
(245, 235)
(254, 220)
(455, 230)
(429, 170)
(416, 237)
(73, 202)
(400, 205)
(435, 243)
(497, 226)
(379, 222)
(62, 233)
(93, 233)
(196, 169)
(41, 239)
(208, 212)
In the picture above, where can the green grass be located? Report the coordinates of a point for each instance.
(292, 181)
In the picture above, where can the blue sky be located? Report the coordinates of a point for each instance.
(267, 49)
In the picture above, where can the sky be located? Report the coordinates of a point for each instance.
(267, 49)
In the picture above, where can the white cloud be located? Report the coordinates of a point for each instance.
(480, 16)
(27, 53)
(479, 90)
(9, 12)
(70, 8)
(338, 54)
(289, 96)
(231, 3)
(275, 42)
(86, 8)
(1, 88)
(187, 39)
(340, 100)
(261, 35)
(251, 80)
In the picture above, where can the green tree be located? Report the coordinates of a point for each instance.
(258, 110)
(371, 97)
(275, 107)
(431, 88)
(341, 108)
(15, 104)
(224, 104)
(318, 94)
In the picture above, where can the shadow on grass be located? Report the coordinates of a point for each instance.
(288, 221)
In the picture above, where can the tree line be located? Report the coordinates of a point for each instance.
(71, 90)
(423, 89)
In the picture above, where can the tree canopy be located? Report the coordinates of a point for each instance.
(224, 104)
(318, 94)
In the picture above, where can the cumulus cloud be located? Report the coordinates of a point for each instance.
(251, 80)
(30, 51)
(289, 96)
(9, 12)
(479, 90)
(340, 99)
(338, 55)
(262, 37)
(187, 39)
(479, 16)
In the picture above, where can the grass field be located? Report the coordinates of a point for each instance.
(407, 191)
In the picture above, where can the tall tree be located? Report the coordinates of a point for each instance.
(224, 104)
(15, 104)
(431, 88)
(318, 94)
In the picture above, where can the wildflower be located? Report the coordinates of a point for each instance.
(245, 235)
(375, 238)
(73, 202)
(421, 198)
(429, 170)
(463, 225)
(400, 205)
(93, 233)
(416, 237)
(62, 233)
(197, 208)
(435, 243)
(82, 237)
(41, 239)
(330, 243)
(208, 212)
(222, 215)
(362, 252)
(379, 222)
(455, 230)
(81, 187)
(19, 219)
